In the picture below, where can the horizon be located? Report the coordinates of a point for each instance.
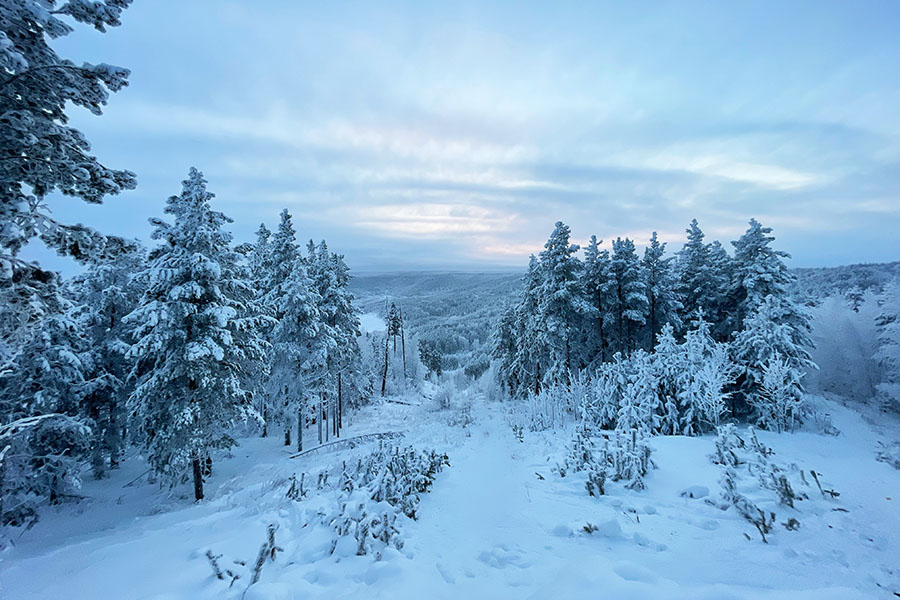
(416, 138)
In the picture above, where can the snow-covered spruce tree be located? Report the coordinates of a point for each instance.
(669, 367)
(630, 298)
(46, 377)
(702, 282)
(277, 258)
(640, 402)
(663, 305)
(503, 350)
(330, 276)
(597, 286)
(194, 342)
(40, 153)
(258, 265)
(707, 373)
(759, 272)
(769, 336)
(528, 362)
(561, 308)
(294, 385)
(887, 354)
(106, 293)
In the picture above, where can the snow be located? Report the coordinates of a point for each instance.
(370, 322)
(498, 523)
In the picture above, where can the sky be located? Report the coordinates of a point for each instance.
(454, 135)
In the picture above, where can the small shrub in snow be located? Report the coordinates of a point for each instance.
(781, 483)
(615, 456)
(376, 490)
(889, 453)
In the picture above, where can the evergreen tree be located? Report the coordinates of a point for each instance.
(298, 366)
(193, 343)
(561, 308)
(630, 299)
(769, 336)
(887, 354)
(42, 154)
(759, 272)
(598, 285)
(663, 306)
(107, 292)
(530, 357)
(703, 278)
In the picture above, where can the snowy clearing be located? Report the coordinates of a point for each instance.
(499, 523)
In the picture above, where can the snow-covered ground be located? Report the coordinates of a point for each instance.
(369, 322)
(498, 523)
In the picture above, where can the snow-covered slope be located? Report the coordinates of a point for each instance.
(498, 523)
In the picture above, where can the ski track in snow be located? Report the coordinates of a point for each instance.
(490, 527)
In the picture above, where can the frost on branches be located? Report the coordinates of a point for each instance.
(195, 342)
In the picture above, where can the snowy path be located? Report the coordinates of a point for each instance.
(489, 529)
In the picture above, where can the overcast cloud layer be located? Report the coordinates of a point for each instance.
(454, 136)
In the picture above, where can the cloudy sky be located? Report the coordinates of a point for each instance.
(453, 135)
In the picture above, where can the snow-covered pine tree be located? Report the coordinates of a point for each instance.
(296, 383)
(191, 347)
(668, 370)
(42, 456)
(106, 293)
(759, 271)
(769, 336)
(707, 372)
(276, 259)
(259, 264)
(41, 154)
(331, 277)
(703, 279)
(887, 354)
(503, 350)
(529, 361)
(630, 300)
(664, 307)
(561, 308)
(597, 285)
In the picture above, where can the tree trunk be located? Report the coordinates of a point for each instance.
(300, 428)
(384, 374)
(319, 418)
(325, 406)
(265, 417)
(287, 426)
(340, 409)
(402, 342)
(198, 478)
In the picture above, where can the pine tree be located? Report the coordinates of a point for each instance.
(663, 304)
(598, 285)
(668, 370)
(768, 336)
(630, 300)
(503, 350)
(759, 272)
(707, 372)
(561, 308)
(887, 354)
(703, 279)
(296, 381)
(192, 347)
(107, 292)
(528, 363)
(42, 154)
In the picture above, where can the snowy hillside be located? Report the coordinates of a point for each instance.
(498, 523)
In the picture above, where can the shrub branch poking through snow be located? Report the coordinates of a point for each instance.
(737, 455)
(375, 492)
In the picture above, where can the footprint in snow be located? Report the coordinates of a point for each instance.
(501, 556)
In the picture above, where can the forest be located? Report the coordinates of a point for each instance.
(199, 416)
